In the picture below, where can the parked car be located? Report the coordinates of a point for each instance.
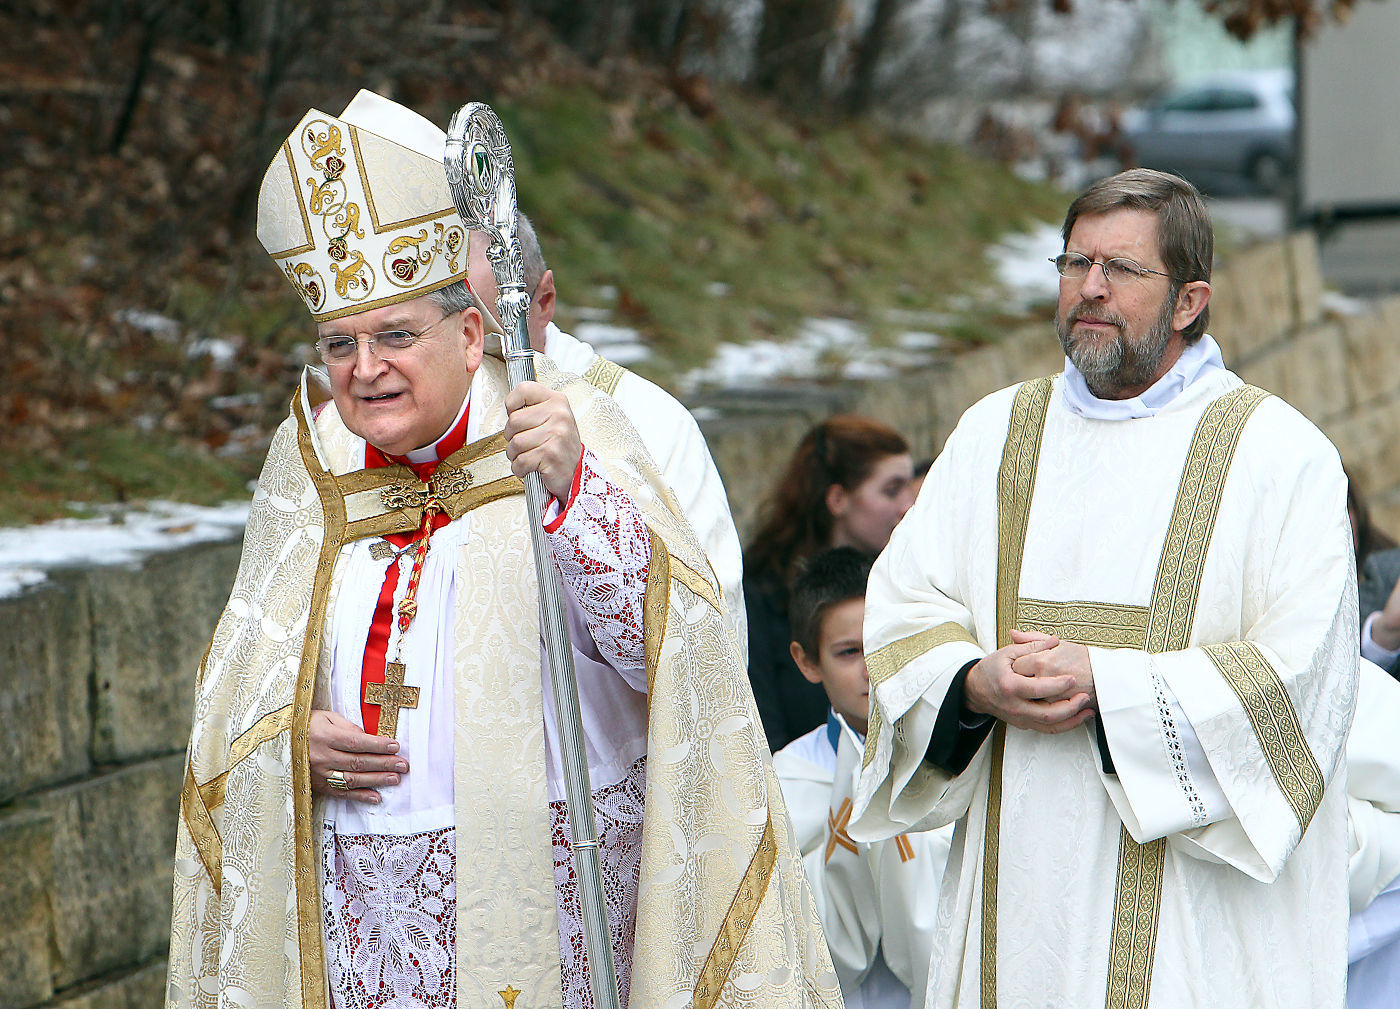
(1228, 132)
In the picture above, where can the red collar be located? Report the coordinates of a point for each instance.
(448, 444)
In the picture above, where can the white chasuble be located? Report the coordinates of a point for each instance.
(1204, 556)
(720, 895)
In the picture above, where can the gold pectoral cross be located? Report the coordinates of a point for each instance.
(391, 695)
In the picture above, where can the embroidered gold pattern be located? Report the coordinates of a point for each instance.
(602, 374)
(655, 603)
(885, 662)
(1193, 518)
(1275, 722)
(1109, 625)
(1015, 486)
(695, 581)
(509, 995)
(269, 726)
(990, 869)
(752, 889)
(1137, 903)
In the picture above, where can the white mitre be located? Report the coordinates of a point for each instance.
(356, 211)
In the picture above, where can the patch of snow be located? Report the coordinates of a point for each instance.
(1022, 264)
(586, 313)
(918, 340)
(717, 289)
(1342, 304)
(221, 352)
(149, 322)
(119, 535)
(619, 344)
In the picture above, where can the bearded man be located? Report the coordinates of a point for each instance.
(1115, 640)
(373, 811)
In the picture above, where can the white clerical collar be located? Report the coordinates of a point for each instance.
(428, 453)
(1197, 360)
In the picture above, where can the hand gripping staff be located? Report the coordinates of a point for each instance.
(481, 175)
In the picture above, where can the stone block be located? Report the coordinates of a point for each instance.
(1306, 269)
(45, 649)
(1372, 344)
(1309, 372)
(1369, 443)
(113, 842)
(26, 885)
(142, 988)
(1251, 302)
(150, 627)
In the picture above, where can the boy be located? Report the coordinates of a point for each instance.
(877, 902)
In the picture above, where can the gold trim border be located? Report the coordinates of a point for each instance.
(200, 823)
(1265, 700)
(1178, 581)
(656, 602)
(269, 726)
(885, 662)
(309, 926)
(749, 895)
(604, 375)
(1020, 457)
(1137, 906)
(1108, 625)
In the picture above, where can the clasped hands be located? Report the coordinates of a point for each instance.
(1037, 682)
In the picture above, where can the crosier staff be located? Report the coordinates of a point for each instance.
(481, 175)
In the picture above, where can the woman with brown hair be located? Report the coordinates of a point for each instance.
(848, 484)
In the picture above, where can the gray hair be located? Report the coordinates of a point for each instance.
(455, 297)
(530, 249)
(1185, 239)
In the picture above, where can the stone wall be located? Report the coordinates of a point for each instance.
(96, 680)
(97, 666)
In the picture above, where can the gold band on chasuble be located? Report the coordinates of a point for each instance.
(1108, 625)
(885, 662)
(1137, 900)
(752, 889)
(1275, 722)
(603, 375)
(1015, 486)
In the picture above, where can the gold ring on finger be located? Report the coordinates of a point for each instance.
(336, 780)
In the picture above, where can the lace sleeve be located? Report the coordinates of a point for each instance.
(603, 550)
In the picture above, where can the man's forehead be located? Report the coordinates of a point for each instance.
(1125, 226)
(403, 315)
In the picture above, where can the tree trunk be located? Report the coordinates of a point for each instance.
(792, 47)
(861, 95)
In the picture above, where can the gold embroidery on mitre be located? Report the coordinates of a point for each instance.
(509, 995)
(329, 180)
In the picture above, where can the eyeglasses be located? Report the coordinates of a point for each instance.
(386, 346)
(1074, 266)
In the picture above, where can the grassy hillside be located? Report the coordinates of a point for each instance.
(152, 348)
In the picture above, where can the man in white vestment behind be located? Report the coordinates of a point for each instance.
(666, 427)
(1116, 641)
(373, 812)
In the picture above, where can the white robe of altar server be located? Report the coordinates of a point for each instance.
(1251, 910)
(878, 904)
(673, 439)
(1373, 800)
